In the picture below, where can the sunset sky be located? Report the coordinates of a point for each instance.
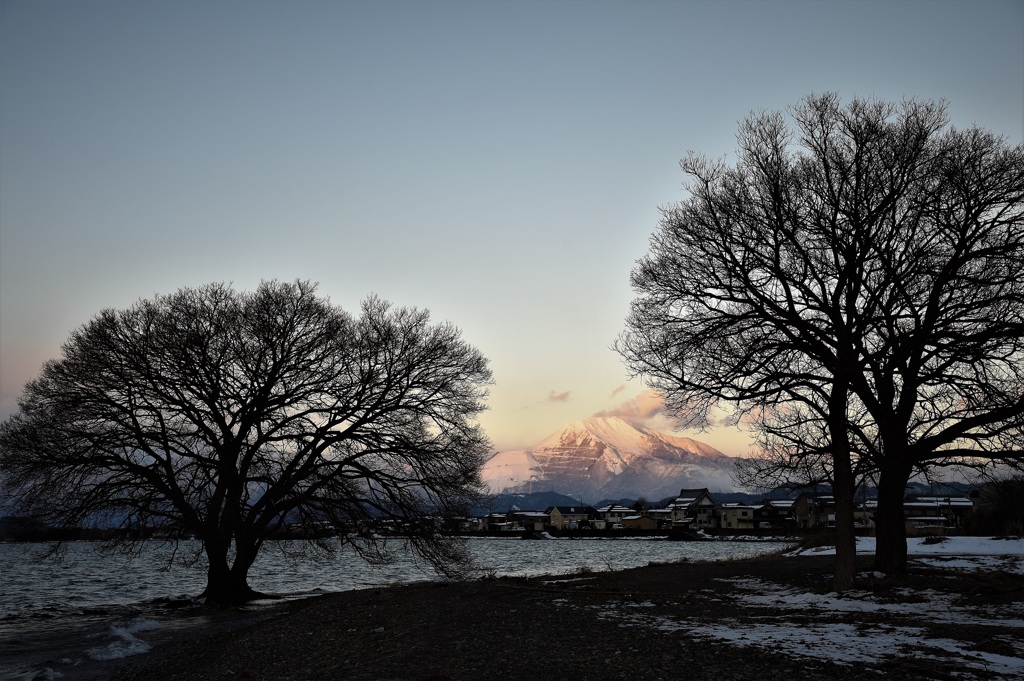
(498, 163)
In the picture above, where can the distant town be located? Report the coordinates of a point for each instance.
(990, 509)
(698, 511)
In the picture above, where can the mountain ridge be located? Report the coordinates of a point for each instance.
(608, 457)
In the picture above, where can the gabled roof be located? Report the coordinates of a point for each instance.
(614, 508)
(689, 497)
(964, 502)
(695, 492)
(529, 514)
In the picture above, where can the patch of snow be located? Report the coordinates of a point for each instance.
(950, 546)
(849, 643)
(930, 604)
(1010, 564)
(839, 642)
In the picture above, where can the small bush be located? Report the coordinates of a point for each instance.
(813, 541)
(934, 539)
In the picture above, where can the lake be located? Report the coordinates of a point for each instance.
(61, 620)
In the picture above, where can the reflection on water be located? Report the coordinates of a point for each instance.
(94, 606)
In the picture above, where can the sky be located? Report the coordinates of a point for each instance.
(499, 163)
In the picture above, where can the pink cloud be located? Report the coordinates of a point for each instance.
(642, 410)
(618, 390)
(559, 397)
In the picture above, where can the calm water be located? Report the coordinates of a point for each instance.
(65, 620)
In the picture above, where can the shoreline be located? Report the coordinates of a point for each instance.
(56, 628)
(660, 621)
(57, 617)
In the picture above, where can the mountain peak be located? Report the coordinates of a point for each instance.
(609, 457)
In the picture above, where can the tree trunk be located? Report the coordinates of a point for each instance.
(843, 485)
(890, 522)
(846, 538)
(227, 582)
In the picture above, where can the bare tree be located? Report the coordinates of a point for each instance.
(943, 353)
(852, 286)
(229, 415)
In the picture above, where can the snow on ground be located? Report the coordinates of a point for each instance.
(955, 553)
(846, 642)
(950, 546)
(931, 605)
(862, 627)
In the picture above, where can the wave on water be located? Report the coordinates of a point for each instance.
(124, 642)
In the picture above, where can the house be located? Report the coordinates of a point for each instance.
(816, 510)
(737, 516)
(776, 513)
(612, 515)
(639, 522)
(534, 521)
(498, 522)
(569, 517)
(813, 509)
(926, 511)
(695, 509)
(662, 517)
(952, 510)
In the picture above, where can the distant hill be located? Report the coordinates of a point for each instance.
(533, 501)
(609, 458)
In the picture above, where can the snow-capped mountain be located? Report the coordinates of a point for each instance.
(609, 458)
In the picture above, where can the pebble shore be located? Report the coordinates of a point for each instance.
(655, 622)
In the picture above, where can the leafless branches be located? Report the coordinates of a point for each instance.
(851, 286)
(231, 414)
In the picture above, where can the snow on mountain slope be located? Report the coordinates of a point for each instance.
(607, 458)
(512, 470)
(688, 444)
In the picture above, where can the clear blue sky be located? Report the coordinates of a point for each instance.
(499, 163)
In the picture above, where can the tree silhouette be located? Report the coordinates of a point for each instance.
(851, 286)
(230, 415)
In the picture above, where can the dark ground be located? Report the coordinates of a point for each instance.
(568, 629)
